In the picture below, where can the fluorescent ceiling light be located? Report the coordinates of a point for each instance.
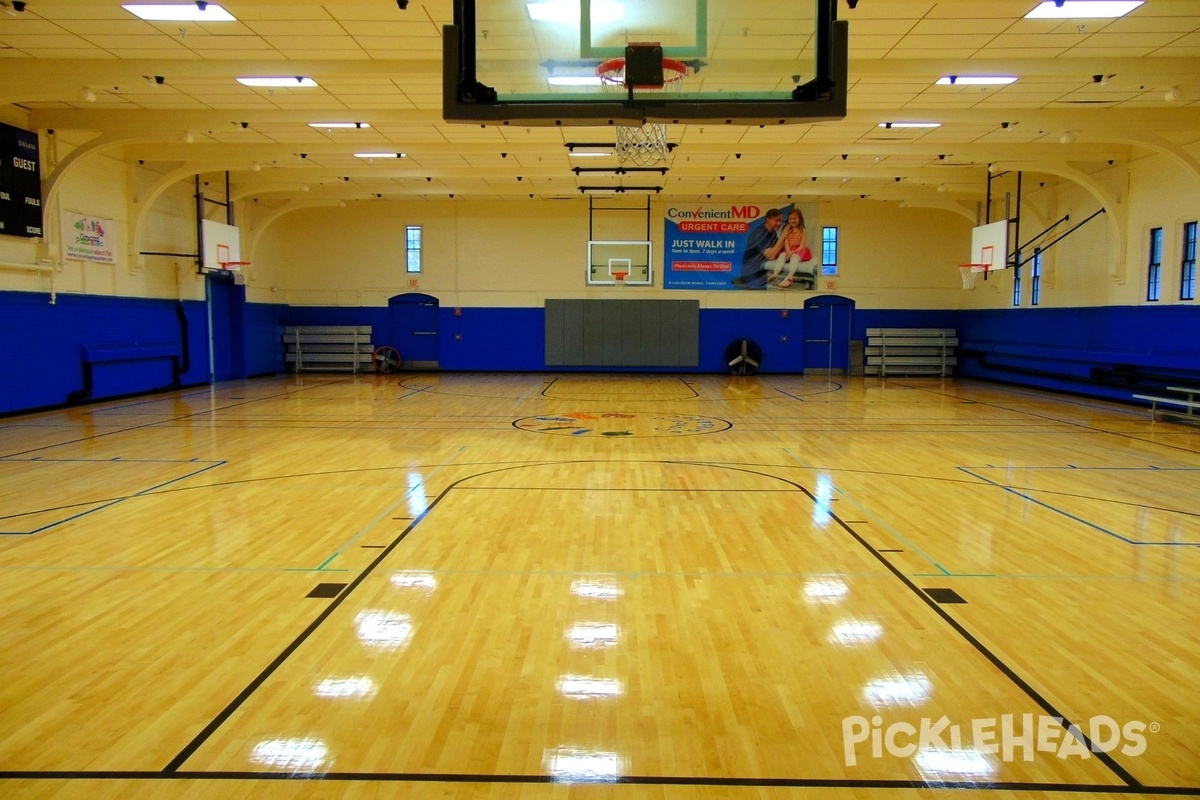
(910, 124)
(179, 13)
(590, 155)
(618, 189)
(379, 155)
(976, 80)
(574, 80)
(1084, 9)
(293, 81)
(339, 124)
(566, 12)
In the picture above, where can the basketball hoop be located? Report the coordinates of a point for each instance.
(647, 144)
(969, 273)
(234, 268)
(620, 277)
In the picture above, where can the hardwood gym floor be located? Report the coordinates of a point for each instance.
(532, 586)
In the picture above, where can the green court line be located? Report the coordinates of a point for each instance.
(386, 512)
(883, 524)
(951, 575)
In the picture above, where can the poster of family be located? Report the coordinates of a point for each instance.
(742, 247)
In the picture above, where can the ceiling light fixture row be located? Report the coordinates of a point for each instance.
(619, 170)
(618, 189)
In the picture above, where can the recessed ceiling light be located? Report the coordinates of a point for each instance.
(910, 124)
(976, 80)
(590, 150)
(189, 12)
(379, 155)
(1083, 9)
(293, 81)
(574, 80)
(339, 124)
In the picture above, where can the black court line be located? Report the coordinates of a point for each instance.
(101, 505)
(600, 376)
(270, 669)
(1070, 423)
(837, 387)
(165, 420)
(627, 780)
(1008, 672)
(173, 768)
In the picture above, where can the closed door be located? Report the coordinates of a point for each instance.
(414, 323)
(827, 334)
(226, 329)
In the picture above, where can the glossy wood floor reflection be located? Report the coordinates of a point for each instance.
(531, 586)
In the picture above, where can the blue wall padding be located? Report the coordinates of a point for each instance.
(1108, 352)
(487, 339)
(264, 339)
(1111, 351)
(44, 347)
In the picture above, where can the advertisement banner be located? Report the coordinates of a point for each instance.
(741, 247)
(88, 238)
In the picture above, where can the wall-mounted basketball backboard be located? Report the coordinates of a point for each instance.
(541, 62)
(989, 245)
(221, 246)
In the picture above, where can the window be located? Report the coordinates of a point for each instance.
(1035, 277)
(1187, 286)
(412, 238)
(829, 251)
(1154, 271)
(1017, 283)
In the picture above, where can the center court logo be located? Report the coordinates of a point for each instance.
(1006, 736)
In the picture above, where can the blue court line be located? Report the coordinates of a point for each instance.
(1074, 518)
(387, 511)
(1092, 469)
(45, 460)
(120, 568)
(113, 502)
(896, 534)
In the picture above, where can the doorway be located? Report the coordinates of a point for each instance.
(827, 321)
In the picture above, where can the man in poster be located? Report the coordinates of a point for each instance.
(761, 239)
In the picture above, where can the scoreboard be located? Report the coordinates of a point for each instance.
(20, 183)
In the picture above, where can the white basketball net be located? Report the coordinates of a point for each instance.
(645, 145)
(969, 273)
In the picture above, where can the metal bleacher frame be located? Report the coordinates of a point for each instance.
(911, 351)
(328, 348)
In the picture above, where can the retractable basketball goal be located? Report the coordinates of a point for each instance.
(644, 145)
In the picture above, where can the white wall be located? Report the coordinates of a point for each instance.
(519, 252)
(104, 185)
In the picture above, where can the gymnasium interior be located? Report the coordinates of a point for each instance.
(391, 406)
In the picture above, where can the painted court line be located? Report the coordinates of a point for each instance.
(1074, 518)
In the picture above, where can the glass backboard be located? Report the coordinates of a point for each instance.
(519, 61)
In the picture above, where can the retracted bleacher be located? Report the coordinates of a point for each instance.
(911, 351)
(328, 348)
